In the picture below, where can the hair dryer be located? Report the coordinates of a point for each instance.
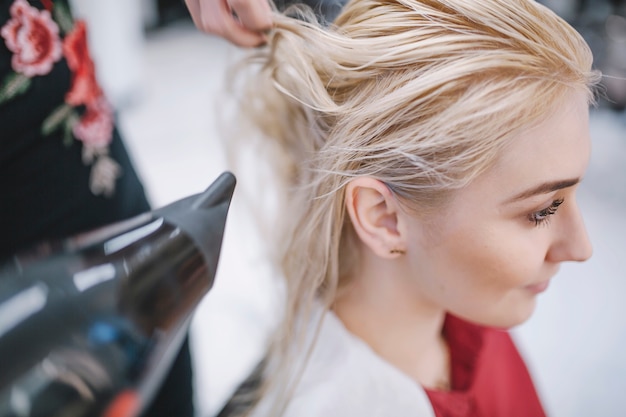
(89, 326)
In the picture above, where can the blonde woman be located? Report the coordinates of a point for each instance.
(432, 150)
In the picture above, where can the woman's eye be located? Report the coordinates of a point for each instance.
(541, 217)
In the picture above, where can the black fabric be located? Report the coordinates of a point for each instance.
(175, 397)
(45, 194)
(44, 182)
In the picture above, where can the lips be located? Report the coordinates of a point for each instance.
(539, 287)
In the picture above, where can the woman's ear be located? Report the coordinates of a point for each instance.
(375, 216)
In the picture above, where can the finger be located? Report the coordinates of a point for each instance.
(222, 22)
(243, 37)
(196, 14)
(255, 15)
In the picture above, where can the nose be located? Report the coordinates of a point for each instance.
(572, 241)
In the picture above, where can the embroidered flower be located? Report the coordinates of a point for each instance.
(85, 88)
(95, 127)
(48, 4)
(103, 175)
(33, 37)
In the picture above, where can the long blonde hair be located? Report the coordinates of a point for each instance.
(422, 95)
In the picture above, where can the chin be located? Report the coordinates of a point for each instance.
(515, 316)
(508, 316)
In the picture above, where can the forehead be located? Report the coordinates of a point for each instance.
(556, 149)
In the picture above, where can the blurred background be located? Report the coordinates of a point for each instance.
(166, 79)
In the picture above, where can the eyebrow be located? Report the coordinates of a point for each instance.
(545, 188)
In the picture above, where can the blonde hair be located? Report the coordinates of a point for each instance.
(422, 95)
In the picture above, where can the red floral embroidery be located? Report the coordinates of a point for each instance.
(85, 88)
(95, 127)
(47, 4)
(33, 37)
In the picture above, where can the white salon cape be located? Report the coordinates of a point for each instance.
(344, 377)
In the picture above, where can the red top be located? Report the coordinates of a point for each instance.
(488, 375)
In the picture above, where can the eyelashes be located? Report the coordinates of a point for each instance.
(542, 217)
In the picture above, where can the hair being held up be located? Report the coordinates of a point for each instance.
(421, 95)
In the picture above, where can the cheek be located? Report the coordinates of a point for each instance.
(484, 277)
(508, 258)
(482, 264)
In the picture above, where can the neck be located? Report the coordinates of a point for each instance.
(382, 307)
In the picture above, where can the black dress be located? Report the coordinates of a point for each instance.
(63, 166)
(45, 169)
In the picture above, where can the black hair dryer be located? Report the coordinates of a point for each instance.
(89, 326)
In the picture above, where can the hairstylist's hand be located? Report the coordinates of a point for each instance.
(242, 22)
